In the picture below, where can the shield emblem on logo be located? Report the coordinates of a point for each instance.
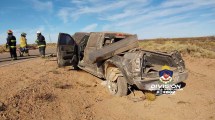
(165, 75)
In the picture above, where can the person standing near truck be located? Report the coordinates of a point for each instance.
(23, 45)
(41, 44)
(11, 43)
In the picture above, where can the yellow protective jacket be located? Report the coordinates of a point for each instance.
(23, 42)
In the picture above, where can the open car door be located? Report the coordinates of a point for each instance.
(67, 50)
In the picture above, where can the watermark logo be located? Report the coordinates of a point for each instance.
(165, 75)
(166, 78)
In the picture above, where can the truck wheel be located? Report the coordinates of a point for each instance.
(118, 87)
(60, 61)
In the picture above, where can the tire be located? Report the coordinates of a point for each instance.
(119, 87)
(60, 61)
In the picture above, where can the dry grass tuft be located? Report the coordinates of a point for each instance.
(195, 48)
(31, 47)
(3, 49)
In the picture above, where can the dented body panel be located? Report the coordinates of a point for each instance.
(120, 50)
(113, 49)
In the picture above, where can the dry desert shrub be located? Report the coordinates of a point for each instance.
(3, 49)
(31, 47)
(193, 48)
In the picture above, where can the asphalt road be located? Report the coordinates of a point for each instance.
(6, 60)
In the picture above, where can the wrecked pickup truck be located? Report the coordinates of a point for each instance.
(116, 58)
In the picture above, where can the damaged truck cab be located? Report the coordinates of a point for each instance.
(117, 58)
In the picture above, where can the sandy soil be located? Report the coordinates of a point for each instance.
(38, 90)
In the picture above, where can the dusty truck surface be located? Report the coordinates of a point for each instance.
(116, 58)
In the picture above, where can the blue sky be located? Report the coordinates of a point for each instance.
(147, 18)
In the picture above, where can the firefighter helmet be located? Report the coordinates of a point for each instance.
(23, 34)
(9, 31)
(38, 32)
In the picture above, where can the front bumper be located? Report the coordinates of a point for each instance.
(147, 84)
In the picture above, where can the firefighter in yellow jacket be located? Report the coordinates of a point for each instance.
(23, 45)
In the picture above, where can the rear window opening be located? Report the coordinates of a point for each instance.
(112, 38)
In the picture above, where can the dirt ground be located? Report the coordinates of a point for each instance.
(38, 90)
